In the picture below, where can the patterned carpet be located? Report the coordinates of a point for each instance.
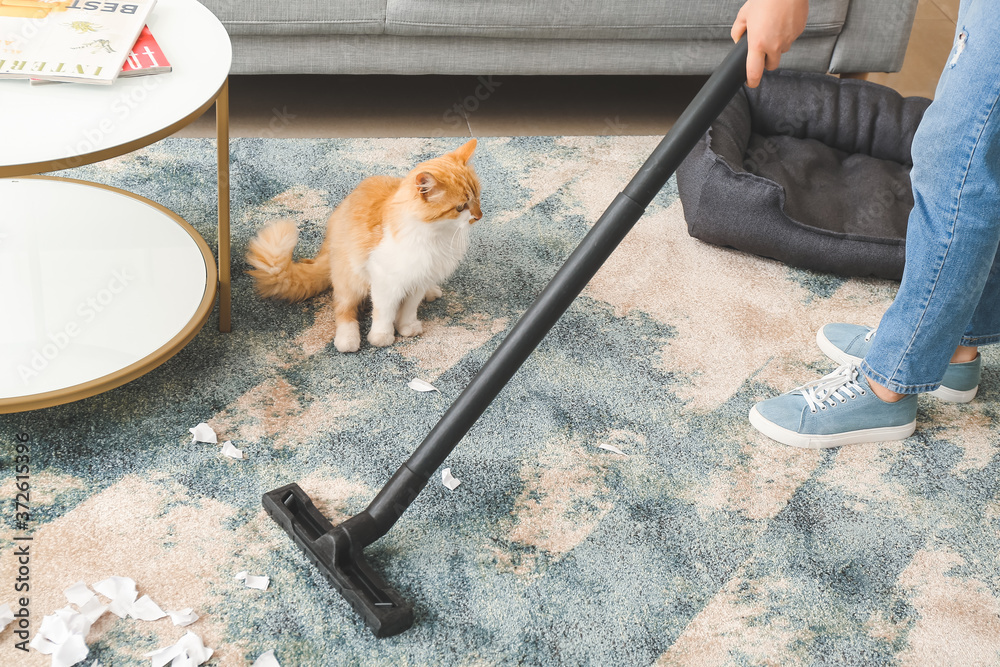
(704, 544)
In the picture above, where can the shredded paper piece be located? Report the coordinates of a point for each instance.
(204, 433)
(612, 448)
(189, 650)
(144, 609)
(93, 609)
(416, 384)
(251, 581)
(6, 616)
(79, 594)
(448, 480)
(62, 635)
(266, 659)
(229, 450)
(183, 617)
(122, 593)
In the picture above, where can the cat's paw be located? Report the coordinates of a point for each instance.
(432, 294)
(414, 328)
(347, 341)
(381, 338)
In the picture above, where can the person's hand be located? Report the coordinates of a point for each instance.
(771, 27)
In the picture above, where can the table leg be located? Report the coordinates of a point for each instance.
(222, 147)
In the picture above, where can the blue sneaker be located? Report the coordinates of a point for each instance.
(839, 409)
(849, 343)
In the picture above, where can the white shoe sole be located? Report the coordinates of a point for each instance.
(942, 393)
(794, 439)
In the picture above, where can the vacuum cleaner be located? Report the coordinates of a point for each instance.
(338, 551)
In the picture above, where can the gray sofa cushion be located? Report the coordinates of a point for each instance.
(300, 17)
(393, 54)
(809, 170)
(586, 19)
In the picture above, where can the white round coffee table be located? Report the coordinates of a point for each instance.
(99, 287)
(59, 126)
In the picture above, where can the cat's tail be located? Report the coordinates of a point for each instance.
(276, 275)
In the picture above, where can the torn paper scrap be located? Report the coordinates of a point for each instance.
(251, 581)
(79, 594)
(183, 617)
(229, 450)
(93, 609)
(72, 651)
(165, 655)
(62, 635)
(195, 648)
(144, 609)
(266, 659)
(6, 616)
(448, 480)
(416, 384)
(121, 591)
(612, 448)
(73, 621)
(189, 650)
(42, 645)
(204, 433)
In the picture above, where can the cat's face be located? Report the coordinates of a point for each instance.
(447, 188)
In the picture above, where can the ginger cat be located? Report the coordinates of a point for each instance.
(393, 238)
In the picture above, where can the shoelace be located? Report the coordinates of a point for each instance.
(868, 336)
(833, 389)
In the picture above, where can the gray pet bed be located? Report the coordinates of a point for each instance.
(810, 170)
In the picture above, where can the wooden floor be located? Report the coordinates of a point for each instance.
(399, 106)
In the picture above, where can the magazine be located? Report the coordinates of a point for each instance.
(146, 57)
(85, 41)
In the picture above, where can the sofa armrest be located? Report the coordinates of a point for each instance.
(874, 37)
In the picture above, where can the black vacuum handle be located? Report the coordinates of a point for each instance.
(564, 287)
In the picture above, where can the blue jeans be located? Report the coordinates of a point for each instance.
(950, 293)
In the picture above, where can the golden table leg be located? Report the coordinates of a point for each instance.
(222, 148)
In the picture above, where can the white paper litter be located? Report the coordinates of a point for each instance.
(79, 594)
(6, 616)
(93, 609)
(612, 448)
(165, 655)
(188, 651)
(203, 433)
(229, 450)
(416, 384)
(266, 659)
(144, 609)
(71, 652)
(252, 581)
(62, 635)
(74, 622)
(122, 593)
(448, 480)
(183, 617)
(42, 645)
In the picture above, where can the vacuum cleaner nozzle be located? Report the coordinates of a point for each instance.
(340, 558)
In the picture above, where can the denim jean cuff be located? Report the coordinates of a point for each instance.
(976, 341)
(892, 385)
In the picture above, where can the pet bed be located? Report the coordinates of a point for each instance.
(810, 170)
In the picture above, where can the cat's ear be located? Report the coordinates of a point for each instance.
(427, 185)
(464, 153)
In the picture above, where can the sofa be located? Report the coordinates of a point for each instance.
(514, 37)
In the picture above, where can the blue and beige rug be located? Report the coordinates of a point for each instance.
(704, 544)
